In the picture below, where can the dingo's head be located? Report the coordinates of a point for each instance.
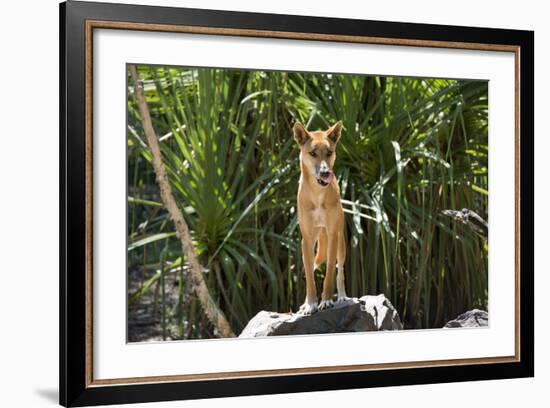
(318, 150)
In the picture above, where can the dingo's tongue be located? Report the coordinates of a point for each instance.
(328, 178)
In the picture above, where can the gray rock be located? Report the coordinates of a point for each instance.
(367, 313)
(472, 318)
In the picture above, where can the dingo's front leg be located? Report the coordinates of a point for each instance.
(340, 284)
(310, 305)
(328, 284)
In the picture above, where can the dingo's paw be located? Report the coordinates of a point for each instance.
(342, 299)
(326, 304)
(308, 309)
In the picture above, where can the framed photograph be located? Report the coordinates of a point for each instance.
(256, 203)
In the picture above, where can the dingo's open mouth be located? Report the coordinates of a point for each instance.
(322, 182)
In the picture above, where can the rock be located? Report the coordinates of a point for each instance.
(472, 318)
(368, 313)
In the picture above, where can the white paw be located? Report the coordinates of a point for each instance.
(342, 299)
(326, 304)
(308, 308)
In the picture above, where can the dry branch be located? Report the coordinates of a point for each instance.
(214, 314)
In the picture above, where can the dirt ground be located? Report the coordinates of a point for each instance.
(144, 315)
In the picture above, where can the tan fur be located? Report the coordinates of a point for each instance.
(320, 215)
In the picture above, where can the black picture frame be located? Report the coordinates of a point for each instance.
(75, 388)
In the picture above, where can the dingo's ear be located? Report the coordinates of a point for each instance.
(300, 133)
(334, 132)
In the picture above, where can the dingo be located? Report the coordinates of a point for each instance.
(320, 215)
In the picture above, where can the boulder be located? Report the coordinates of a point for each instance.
(472, 318)
(367, 313)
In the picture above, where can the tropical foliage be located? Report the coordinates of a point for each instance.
(410, 149)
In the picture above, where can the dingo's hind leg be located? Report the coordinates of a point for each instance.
(321, 255)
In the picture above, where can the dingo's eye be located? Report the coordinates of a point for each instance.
(329, 153)
(313, 153)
